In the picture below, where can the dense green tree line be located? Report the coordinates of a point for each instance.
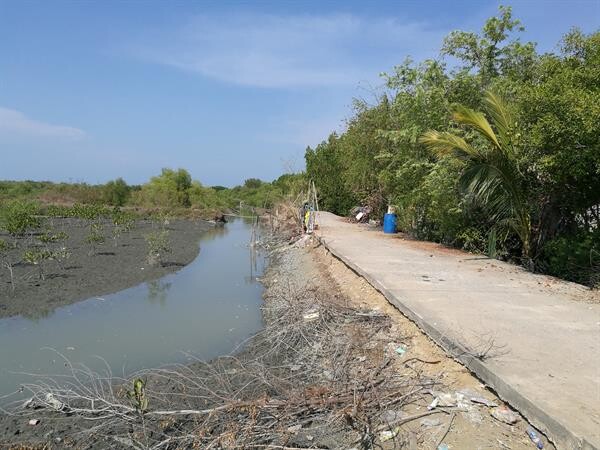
(493, 147)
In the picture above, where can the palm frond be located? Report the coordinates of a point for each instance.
(443, 143)
(501, 117)
(484, 182)
(475, 119)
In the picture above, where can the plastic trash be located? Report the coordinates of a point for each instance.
(34, 421)
(53, 402)
(446, 399)
(388, 434)
(532, 433)
(400, 350)
(311, 316)
(505, 415)
(443, 447)
(433, 404)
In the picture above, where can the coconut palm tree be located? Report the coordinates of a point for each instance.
(492, 174)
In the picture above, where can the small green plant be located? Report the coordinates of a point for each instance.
(95, 237)
(137, 395)
(38, 257)
(51, 242)
(161, 218)
(49, 237)
(122, 223)
(158, 246)
(6, 262)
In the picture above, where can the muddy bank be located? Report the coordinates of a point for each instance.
(116, 264)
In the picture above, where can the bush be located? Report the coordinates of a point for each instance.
(88, 212)
(116, 192)
(158, 246)
(95, 237)
(50, 237)
(169, 189)
(18, 217)
(575, 258)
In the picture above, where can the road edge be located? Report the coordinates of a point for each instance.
(561, 436)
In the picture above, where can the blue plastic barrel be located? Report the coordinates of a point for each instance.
(389, 223)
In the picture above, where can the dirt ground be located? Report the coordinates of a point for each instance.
(113, 266)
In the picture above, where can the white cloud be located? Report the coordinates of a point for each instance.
(283, 51)
(15, 122)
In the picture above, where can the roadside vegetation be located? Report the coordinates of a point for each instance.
(493, 148)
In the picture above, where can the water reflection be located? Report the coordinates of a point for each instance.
(157, 291)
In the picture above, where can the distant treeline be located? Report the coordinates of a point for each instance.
(172, 189)
(493, 148)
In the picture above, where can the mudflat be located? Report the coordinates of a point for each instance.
(117, 263)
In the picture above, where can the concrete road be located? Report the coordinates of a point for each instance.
(534, 339)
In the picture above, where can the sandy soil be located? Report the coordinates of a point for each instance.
(473, 428)
(113, 266)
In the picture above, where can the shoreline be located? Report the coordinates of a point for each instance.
(115, 265)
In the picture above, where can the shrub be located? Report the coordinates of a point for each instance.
(6, 262)
(575, 258)
(20, 217)
(158, 246)
(116, 192)
(50, 237)
(89, 212)
(38, 257)
(58, 211)
(95, 237)
(122, 223)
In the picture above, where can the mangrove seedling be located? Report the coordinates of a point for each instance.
(50, 241)
(137, 395)
(158, 246)
(6, 262)
(95, 237)
(49, 237)
(122, 223)
(38, 257)
(161, 219)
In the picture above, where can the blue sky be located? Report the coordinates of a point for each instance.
(90, 91)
